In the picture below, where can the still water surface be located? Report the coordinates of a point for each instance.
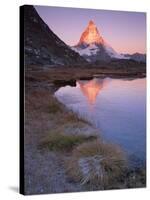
(117, 107)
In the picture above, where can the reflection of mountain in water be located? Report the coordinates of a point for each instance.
(116, 107)
(91, 88)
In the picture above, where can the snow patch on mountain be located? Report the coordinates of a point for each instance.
(93, 47)
(113, 54)
(90, 50)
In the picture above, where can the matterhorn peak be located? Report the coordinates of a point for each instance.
(93, 47)
(91, 35)
(91, 23)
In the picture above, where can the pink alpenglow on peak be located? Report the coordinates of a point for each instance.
(91, 35)
(93, 47)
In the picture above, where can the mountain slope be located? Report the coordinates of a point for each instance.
(137, 57)
(93, 47)
(42, 46)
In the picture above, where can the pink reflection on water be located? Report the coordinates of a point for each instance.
(91, 89)
(117, 107)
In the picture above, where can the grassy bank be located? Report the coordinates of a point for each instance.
(58, 141)
(63, 153)
(69, 74)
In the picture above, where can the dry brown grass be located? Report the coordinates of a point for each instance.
(96, 164)
(57, 141)
(45, 117)
(37, 100)
(43, 101)
(67, 73)
(54, 106)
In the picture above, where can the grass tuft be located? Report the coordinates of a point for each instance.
(96, 164)
(61, 142)
(54, 106)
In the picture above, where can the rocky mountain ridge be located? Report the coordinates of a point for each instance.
(93, 47)
(42, 46)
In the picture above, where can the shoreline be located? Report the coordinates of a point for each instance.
(42, 114)
(134, 161)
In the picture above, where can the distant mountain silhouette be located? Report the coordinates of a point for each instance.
(137, 57)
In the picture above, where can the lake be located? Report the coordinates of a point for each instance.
(117, 107)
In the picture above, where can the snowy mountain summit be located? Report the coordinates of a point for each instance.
(91, 35)
(93, 47)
